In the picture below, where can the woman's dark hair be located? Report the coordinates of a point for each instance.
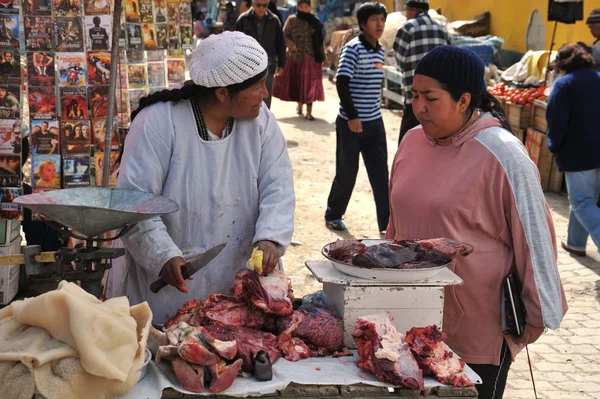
(485, 102)
(366, 10)
(572, 56)
(302, 1)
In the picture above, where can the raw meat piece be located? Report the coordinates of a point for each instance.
(293, 349)
(446, 248)
(384, 353)
(231, 311)
(272, 294)
(384, 255)
(428, 347)
(320, 328)
(190, 376)
(197, 353)
(223, 375)
(345, 250)
(249, 342)
(191, 313)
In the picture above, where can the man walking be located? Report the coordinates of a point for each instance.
(265, 27)
(359, 125)
(593, 22)
(415, 38)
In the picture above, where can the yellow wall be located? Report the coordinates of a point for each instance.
(510, 19)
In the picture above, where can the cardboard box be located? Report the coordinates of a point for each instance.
(9, 231)
(9, 275)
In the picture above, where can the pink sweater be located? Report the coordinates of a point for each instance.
(484, 190)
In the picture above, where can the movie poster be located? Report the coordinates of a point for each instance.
(173, 13)
(40, 68)
(10, 101)
(146, 11)
(69, 35)
(73, 101)
(98, 63)
(97, 7)
(185, 13)
(9, 6)
(122, 37)
(156, 74)
(76, 171)
(134, 98)
(46, 171)
(149, 36)
(99, 131)
(8, 210)
(42, 103)
(175, 71)
(38, 33)
(135, 47)
(160, 11)
(37, 7)
(45, 137)
(155, 56)
(162, 37)
(67, 8)
(186, 36)
(122, 82)
(174, 37)
(98, 32)
(132, 11)
(122, 101)
(9, 31)
(76, 137)
(98, 98)
(71, 69)
(138, 78)
(10, 170)
(10, 67)
(114, 169)
(10, 134)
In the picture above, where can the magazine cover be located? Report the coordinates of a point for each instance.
(10, 170)
(45, 137)
(162, 37)
(67, 8)
(10, 67)
(174, 37)
(46, 171)
(8, 210)
(135, 47)
(156, 74)
(97, 7)
(37, 7)
(155, 56)
(38, 33)
(114, 170)
(185, 13)
(98, 32)
(10, 134)
(76, 137)
(134, 98)
(149, 36)
(42, 102)
(138, 78)
(99, 127)
(175, 71)
(9, 6)
(73, 103)
(76, 171)
(69, 35)
(186, 36)
(10, 101)
(132, 11)
(122, 82)
(98, 98)
(40, 68)
(122, 37)
(71, 69)
(160, 11)
(146, 11)
(98, 63)
(9, 31)
(122, 101)
(173, 12)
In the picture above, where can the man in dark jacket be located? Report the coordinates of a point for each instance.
(265, 27)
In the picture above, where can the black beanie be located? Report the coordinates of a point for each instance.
(454, 66)
(420, 4)
(594, 17)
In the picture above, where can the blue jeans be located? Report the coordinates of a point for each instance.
(584, 216)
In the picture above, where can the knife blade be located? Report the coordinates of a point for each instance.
(191, 267)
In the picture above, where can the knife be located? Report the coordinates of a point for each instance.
(191, 267)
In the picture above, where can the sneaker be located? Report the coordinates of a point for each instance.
(335, 225)
(574, 252)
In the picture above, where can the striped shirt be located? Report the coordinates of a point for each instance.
(363, 65)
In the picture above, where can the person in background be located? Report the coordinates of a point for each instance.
(302, 78)
(359, 125)
(463, 175)
(593, 22)
(415, 38)
(574, 139)
(200, 29)
(265, 27)
(274, 10)
(231, 15)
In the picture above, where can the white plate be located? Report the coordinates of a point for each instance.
(382, 274)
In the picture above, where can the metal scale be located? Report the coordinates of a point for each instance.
(86, 214)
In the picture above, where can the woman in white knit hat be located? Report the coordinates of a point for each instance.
(215, 149)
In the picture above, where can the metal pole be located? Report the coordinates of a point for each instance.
(550, 55)
(114, 75)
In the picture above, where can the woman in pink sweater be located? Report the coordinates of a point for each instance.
(461, 174)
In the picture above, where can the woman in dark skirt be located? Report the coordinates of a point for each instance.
(301, 80)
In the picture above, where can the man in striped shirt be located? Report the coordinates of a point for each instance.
(415, 38)
(359, 125)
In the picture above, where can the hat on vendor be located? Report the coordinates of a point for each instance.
(420, 4)
(454, 66)
(594, 17)
(227, 59)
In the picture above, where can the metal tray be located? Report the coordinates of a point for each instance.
(382, 274)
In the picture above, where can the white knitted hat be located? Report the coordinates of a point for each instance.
(226, 59)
